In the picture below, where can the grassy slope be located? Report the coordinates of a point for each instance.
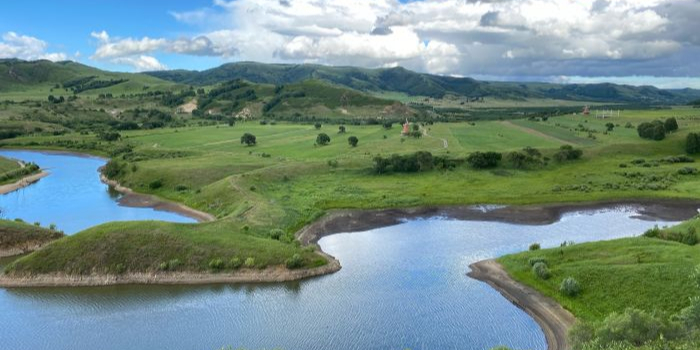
(7, 165)
(17, 234)
(645, 273)
(143, 246)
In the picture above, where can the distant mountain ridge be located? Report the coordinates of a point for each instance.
(18, 74)
(420, 84)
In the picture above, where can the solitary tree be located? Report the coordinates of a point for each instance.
(352, 141)
(692, 143)
(671, 125)
(388, 125)
(317, 126)
(341, 129)
(248, 139)
(610, 126)
(323, 139)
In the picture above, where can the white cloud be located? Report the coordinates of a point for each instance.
(456, 37)
(141, 63)
(27, 47)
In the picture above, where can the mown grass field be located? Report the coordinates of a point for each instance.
(286, 181)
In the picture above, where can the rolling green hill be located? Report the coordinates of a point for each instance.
(417, 84)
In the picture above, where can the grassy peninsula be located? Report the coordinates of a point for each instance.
(634, 292)
(17, 237)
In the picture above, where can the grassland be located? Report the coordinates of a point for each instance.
(286, 182)
(644, 273)
(8, 165)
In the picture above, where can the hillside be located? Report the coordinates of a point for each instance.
(29, 78)
(18, 237)
(418, 84)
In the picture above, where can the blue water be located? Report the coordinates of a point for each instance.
(403, 286)
(72, 196)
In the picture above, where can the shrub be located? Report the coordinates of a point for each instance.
(317, 126)
(155, 184)
(323, 139)
(119, 268)
(248, 139)
(567, 152)
(484, 160)
(294, 262)
(249, 262)
(341, 129)
(692, 143)
(652, 130)
(541, 270)
(174, 264)
(287, 238)
(236, 263)
(570, 287)
(634, 326)
(276, 234)
(352, 141)
(534, 246)
(113, 169)
(671, 125)
(535, 260)
(181, 188)
(216, 264)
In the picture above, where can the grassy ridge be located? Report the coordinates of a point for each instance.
(8, 165)
(116, 248)
(19, 235)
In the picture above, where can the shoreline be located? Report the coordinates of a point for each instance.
(140, 200)
(23, 182)
(356, 220)
(552, 318)
(276, 274)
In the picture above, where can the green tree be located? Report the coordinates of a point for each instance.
(610, 126)
(425, 160)
(317, 126)
(483, 160)
(671, 124)
(323, 139)
(352, 141)
(692, 143)
(341, 129)
(248, 139)
(652, 130)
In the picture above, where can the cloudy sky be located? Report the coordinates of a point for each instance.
(630, 41)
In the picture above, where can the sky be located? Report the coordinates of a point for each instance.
(637, 42)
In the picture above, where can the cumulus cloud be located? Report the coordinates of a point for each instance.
(27, 47)
(141, 63)
(457, 37)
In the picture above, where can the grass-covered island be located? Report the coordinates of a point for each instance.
(633, 293)
(18, 237)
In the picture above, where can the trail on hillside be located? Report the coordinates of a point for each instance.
(444, 141)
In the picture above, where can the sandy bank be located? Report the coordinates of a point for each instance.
(23, 182)
(268, 275)
(138, 200)
(552, 318)
(26, 247)
(339, 221)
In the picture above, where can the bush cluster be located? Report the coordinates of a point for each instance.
(484, 160)
(567, 152)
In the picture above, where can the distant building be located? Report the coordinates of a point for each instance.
(406, 128)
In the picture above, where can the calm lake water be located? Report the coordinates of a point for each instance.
(403, 286)
(72, 197)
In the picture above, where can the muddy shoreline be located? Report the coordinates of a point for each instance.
(133, 199)
(23, 182)
(554, 320)
(355, 220)
(275, 274)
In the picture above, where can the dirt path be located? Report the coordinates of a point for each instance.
(552, 318)
(536, 133)
(23, 182)
(444, 141)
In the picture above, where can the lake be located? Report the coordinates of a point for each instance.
(403, 286)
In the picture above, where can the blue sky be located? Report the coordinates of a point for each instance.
(638, 42)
